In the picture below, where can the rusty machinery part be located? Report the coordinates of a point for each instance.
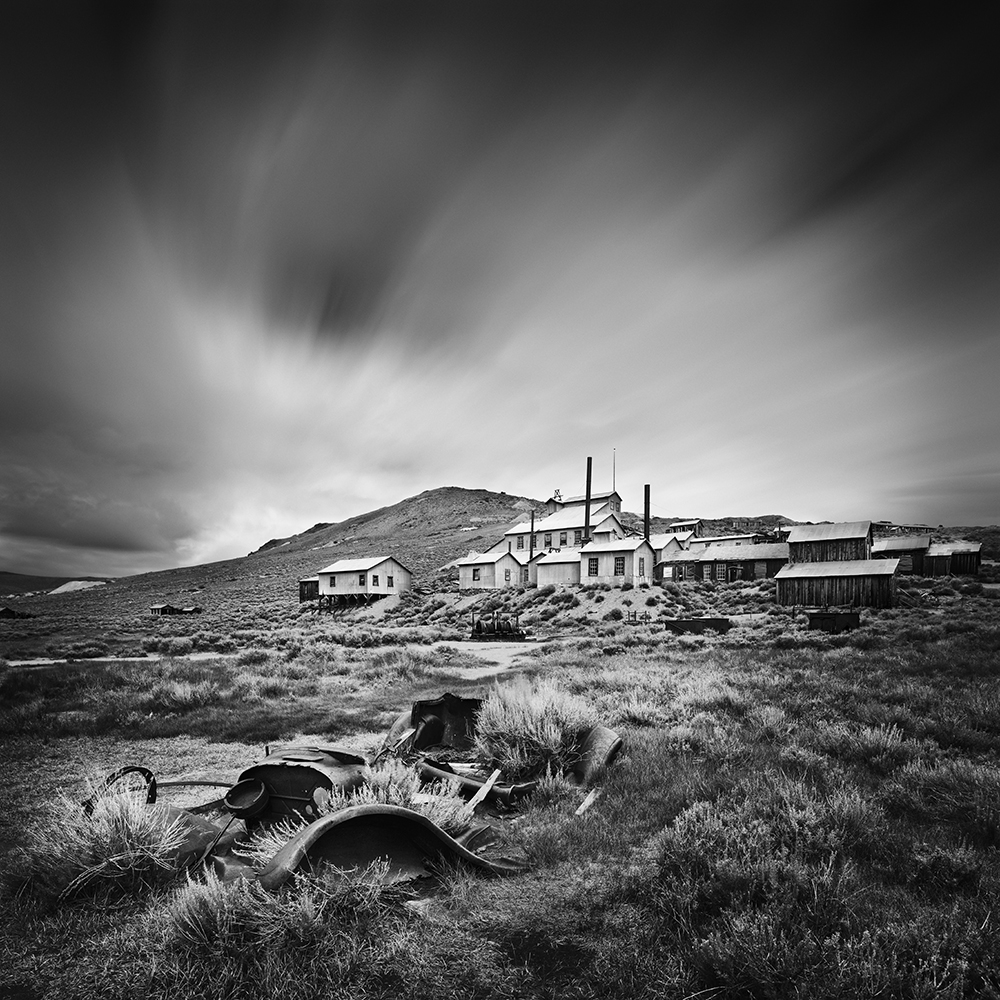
(122, 772)
(470, 786)
(355, 837)
(297, 778)
(247, 798)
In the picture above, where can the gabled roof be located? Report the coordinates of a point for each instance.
(847, 567)
(594, 497)
(359, 565)
(950, 548)
(826, 532)
(901, 543)
(665, 538)
(309, 579)
(683, 524)
(481, 558)
(567, 519)
(619, 545)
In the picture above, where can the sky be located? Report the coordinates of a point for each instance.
(269, 264)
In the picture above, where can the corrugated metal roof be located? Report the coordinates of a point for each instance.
(717, 539)
(309, 579)
(489, 557)
(823, 532)
(950, 548)
(847, 567)
(684, 556)
(563, 556)
(744, 553)
(681, 524)
(562, 520)
(582, 498)
(358, 565)
(664, 538)
(902, 543)
(619, 545)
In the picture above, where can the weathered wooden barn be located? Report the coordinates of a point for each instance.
(7, 612)
(625, 560)
(852, 583)
(959, 558)
(839, 542)
(308, 589)
(908, 549)
(492, 570)
(359, 581)
(559, 568)
(679, 564)
(727, 563)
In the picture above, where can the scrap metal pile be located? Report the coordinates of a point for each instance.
(291, 789)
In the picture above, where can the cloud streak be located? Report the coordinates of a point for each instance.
(281, 267)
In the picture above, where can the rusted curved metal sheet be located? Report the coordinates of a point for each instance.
(353, 838)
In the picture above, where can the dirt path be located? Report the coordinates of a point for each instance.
(497, 657)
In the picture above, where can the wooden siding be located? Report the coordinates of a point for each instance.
(830, 550)
(492, 575)
(560, 574)
(837, 591)
(606, 565)
(348, 583)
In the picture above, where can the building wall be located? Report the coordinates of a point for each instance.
(830, 550)
(348, 582)
(492, 576)
(749, 569)
(606, 566)
(838, 591)
(559, 574)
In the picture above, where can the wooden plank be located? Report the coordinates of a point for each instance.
(485, 790)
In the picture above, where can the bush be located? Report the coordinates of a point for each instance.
(527, 728)
(122, 846)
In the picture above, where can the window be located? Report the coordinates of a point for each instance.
(374, 579)
(642, 565)
(619, 565)
(592, 566)
(333, 580)
(361, 579)
(548, 541)
(520, 541)
(562, 537)
(720, 571)
(506, 576)
(524, 575)
(388, 582)
(577, 537)
(475, 572)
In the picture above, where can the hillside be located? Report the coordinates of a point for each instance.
(20, 583)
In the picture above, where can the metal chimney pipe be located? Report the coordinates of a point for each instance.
(586, 515)
(645, 515)
(531, 539)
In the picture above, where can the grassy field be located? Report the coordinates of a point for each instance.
(794, 814)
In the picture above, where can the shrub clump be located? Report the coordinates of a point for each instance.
(528, 728)
(122, 846)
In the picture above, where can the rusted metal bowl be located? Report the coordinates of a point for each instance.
(246, 798)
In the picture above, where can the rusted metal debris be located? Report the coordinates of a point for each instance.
(295, 782)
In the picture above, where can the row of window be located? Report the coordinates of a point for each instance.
(476, 574)
(547, 543)
(362, 577)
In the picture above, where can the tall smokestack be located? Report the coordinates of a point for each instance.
(531, 539)
(645, 514)
(586, 507)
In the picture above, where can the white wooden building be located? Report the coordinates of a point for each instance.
(558, 568)
(624, 560)
(563, 529)
(361, 580)
(492, 570)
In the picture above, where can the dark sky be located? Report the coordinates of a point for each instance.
(269, 264)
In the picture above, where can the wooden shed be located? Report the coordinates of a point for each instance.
(679, 564)
(908, 549)
(558, 568)
(838, 542)
(308, 589)
(492, 570)
(852, 583)
(7, 612)
(959, 558)
(359, 581)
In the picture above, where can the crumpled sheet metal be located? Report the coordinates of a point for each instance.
(353, 838)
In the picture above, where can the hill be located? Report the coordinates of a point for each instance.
(20, 583)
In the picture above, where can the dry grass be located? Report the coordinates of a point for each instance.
(530, 727)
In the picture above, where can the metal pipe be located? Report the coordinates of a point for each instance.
(586, 515)
(645, 515)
